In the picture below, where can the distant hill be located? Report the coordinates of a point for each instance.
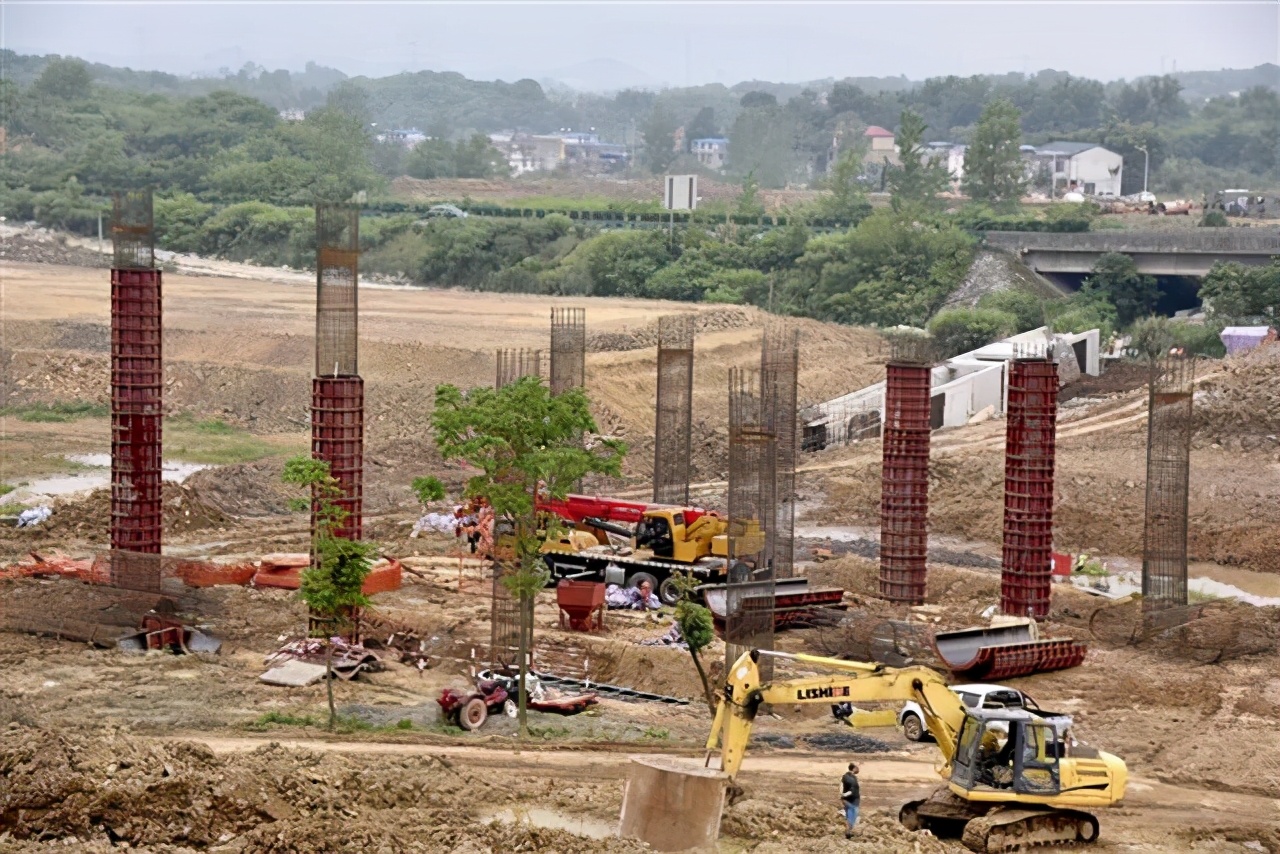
(1200, 85)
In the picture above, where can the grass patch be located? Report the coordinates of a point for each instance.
(269, 719)
(215, 442)
(57, 413)
(6, 488)
(549, 732)
(657, 733)
(1197, 597)
(404, 723)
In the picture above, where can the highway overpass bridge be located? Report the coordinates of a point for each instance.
(1185, 253)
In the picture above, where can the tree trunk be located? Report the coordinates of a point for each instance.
(706, 686)
(526, 629)
(328, 678)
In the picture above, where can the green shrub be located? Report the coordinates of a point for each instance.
(959, 330)
(1214, 219)
(1026, 307)
(179, 222)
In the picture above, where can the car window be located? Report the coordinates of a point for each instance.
(970, 700)
(1002, 700)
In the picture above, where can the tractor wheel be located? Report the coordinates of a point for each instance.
(473, 714)
(668, 592)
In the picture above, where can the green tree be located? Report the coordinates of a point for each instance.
(994, 172)
(702, 127)
(332, 585)
(524, 441)
(697, 628)
(847, 199)
(1116, 279)
(64, 79)
(749, 203)
(1026, 308)
(920, 178)
(659, 139)
(1239, 292)
(960, 330)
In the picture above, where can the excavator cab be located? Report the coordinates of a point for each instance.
(1006, 750)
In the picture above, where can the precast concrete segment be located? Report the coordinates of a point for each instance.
(672, 803)
(337, 437)
(904, 490)
(673, 428)
(137, 383)
(1032, 411)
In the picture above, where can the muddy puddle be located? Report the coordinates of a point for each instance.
(593, 828)
(98, 476)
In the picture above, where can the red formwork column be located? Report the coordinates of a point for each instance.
(1026, 576)
(337, 437)
(904, 490)
(137, 381)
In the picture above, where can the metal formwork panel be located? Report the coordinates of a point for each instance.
(568, 349)
(1026, 577)
(337, 437)
(137, 384)
(673, 427)
(515, 364)
(780, 369)
(750, 588)
(1169, 431)
(337, 292)
(904, 490)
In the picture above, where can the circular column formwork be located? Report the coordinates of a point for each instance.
(1026, 576)
(137, 382)
(337, 437)
(904, 490)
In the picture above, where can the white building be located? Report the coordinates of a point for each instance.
(1083, 167)
(949, 155)
(408, 137)
(528, 153)
(712, 152)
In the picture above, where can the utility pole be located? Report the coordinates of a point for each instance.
(1146, 162)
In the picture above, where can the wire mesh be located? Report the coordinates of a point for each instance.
(904, 490)
(1169, 431)
(750, 589)
(504, 616)
(841, 422)
(133, 242)
(673, 430)
(1026, 577)
(337, 294)
(516, 364)
(568, 349)
(779, 370)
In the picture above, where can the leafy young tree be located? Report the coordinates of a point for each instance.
(959, 330)
(332, 585)
(1237, 292)
(848, 199)
(1027, 308)
(702, 127)
(920, 178)
(1116, 278)
(697, 627)
(64, 79)
(659, 139)
(524, 441)
(749, 203)
(994, 172)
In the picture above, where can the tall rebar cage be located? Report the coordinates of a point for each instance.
(1026, 577)
(337, 437)
(1169, 432)
(673, 428)
(337, 291)
(516, 364)
(568, 349)
(132, 231)
(779, 371)
(137, 380)
(752, 454)
(504, 615)
(904, 489)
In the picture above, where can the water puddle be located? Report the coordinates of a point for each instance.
(98, 477)
(591, 828)
(1247, 586)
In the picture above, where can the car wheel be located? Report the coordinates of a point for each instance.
(668, 592)
(912, 727)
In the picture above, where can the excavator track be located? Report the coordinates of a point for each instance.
(1015, 829)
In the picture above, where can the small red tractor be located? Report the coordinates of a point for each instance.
(470, 711)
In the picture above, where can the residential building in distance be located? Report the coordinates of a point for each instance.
(949, 155)
(1082, 167)
(529, 153)
(712, 152)
(881, 139)
(408, 137)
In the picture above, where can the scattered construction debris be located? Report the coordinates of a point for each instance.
(348, 660)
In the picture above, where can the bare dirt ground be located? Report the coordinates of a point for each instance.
(99, 748)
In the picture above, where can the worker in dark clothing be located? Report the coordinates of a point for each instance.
(851, 797)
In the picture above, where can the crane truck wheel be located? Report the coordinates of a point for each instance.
(473, 715)
(668, 592)
(637, 578)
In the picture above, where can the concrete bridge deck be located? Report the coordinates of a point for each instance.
(1186, 253)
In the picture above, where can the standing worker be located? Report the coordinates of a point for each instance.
(851, 797)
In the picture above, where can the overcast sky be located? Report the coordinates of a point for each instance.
(653, 42)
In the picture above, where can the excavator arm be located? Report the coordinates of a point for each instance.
(851, 681)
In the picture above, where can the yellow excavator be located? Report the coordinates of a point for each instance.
(1013, 777)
